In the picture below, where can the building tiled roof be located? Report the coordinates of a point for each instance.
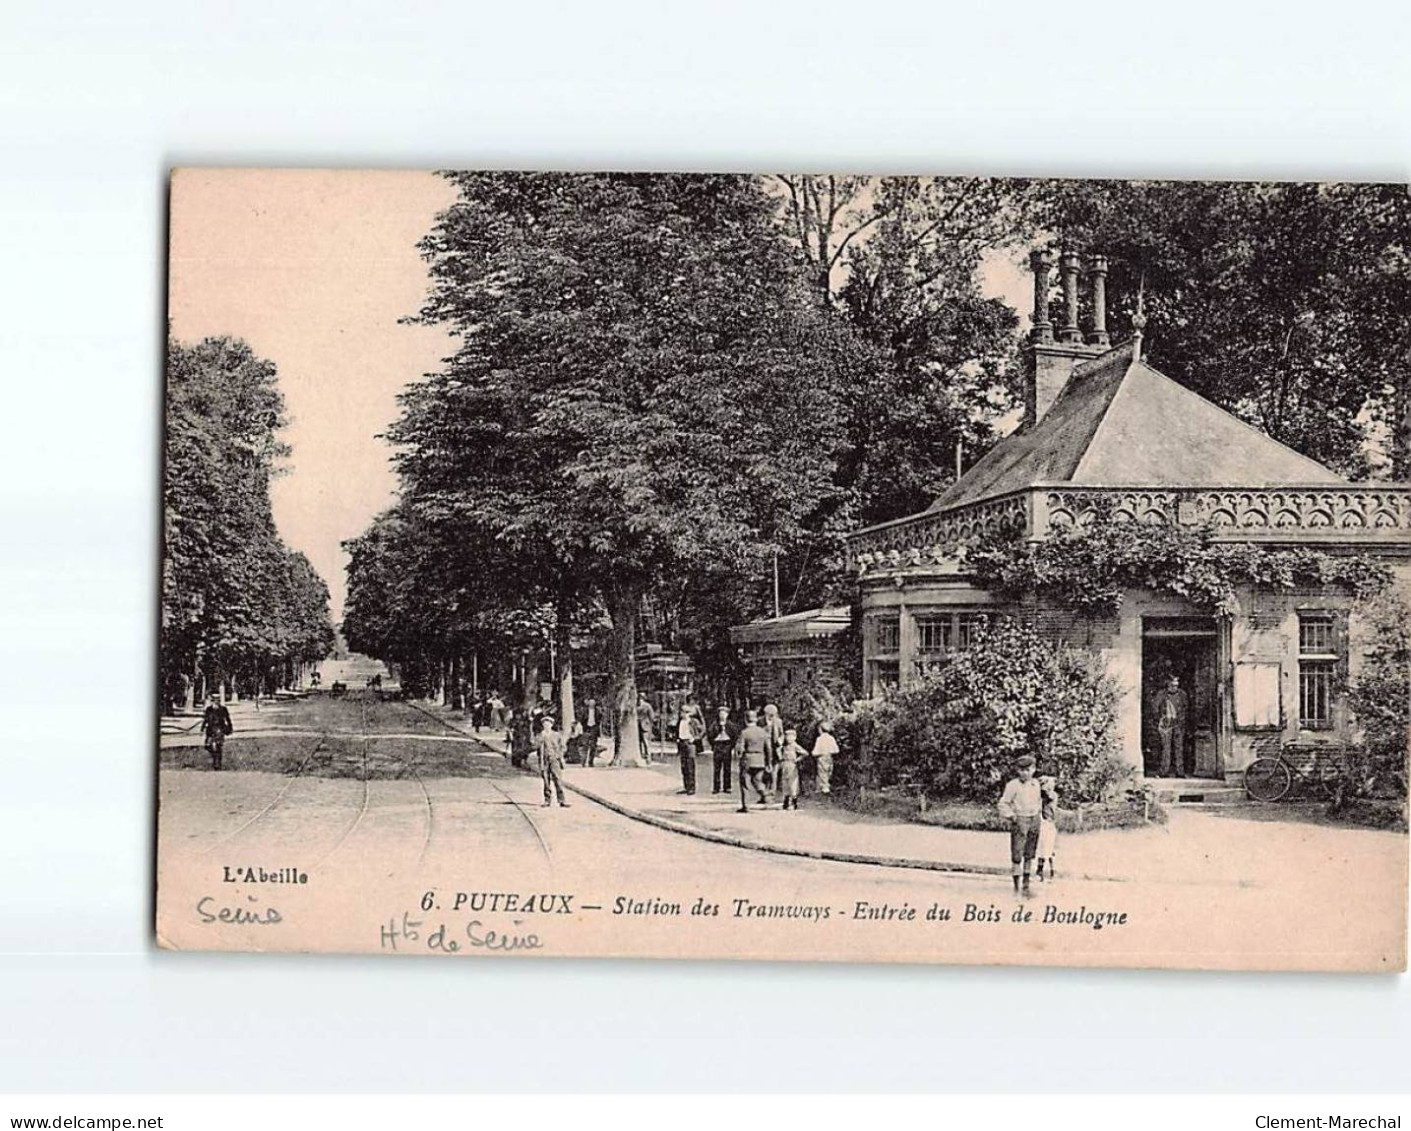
(795, 626)
(1118, 422)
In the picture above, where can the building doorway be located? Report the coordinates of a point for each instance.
(1187, 649)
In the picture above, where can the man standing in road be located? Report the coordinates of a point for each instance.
(215, 725)
(722, 745)
(550, 745)
(1021, 805)
(750, 746)
(1173, 707)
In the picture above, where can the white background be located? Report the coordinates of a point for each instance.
(97, 102)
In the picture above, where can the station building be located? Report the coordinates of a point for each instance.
(1106, 434)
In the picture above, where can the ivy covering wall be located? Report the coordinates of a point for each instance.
(1089, 569)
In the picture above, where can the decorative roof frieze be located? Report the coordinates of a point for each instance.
(1359, 515)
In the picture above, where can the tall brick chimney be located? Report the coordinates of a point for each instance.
(1050, 358)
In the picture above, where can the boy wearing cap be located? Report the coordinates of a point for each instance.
(1021, 805)
(825, 749)
(551, 747)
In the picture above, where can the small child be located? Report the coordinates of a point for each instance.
(1048, 824)
(825, 749)
(789, 755)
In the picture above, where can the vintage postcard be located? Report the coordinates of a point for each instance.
(790, 567)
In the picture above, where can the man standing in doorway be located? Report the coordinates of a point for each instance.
(1172, 711)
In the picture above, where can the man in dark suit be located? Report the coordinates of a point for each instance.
(592, 719)
(722, 737)
(1173, 708)
(215, 725)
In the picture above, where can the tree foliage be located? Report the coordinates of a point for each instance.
(1380, 697)
(416, 599)
(235, 600)
(661, 383)
(900, 258)
(643, 391)
(1288, 304)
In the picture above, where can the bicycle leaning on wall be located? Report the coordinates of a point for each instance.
(1317, 770)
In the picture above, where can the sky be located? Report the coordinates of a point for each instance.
(315, 269)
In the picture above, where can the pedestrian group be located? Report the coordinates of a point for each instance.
(762, 752)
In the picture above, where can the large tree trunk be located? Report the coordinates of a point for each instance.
(529, 676)
(623, 606)
(455, 698)
(563, 642)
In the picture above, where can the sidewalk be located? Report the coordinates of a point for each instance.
(245, 714)
(1217, 847)
(818, 830)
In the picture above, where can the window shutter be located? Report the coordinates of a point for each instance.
(1258, 698)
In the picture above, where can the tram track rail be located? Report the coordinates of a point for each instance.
(517, 806)
(367, 787)
(533, 824)
(364, 762)
(410, 764)
(278, 797)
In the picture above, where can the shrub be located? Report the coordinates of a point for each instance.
(1380, 697)
(956, 733)
(805, 705)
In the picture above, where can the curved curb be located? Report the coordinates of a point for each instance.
(733, 841)
(785, 850)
